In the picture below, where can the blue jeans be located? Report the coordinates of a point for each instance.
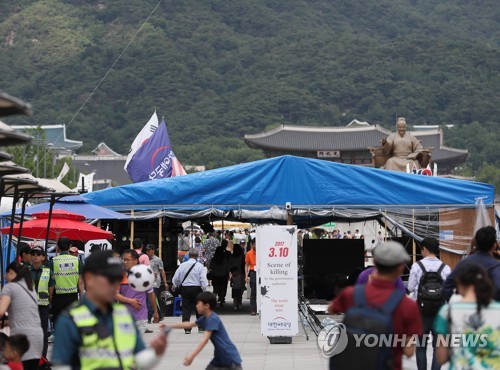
(150, 307)
(421, 352)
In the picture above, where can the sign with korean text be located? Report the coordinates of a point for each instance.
(277, 280)
(328, 154)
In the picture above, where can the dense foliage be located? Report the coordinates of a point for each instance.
(219, 69)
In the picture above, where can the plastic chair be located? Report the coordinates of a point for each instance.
(177, 307)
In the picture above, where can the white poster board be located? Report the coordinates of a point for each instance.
(36, 243)
(277, 280)
(103, 245)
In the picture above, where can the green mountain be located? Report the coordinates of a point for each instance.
(219, 69)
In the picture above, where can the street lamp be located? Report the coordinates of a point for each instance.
(48, 147)
(37, 142)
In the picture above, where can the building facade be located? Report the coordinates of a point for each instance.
(348, 144)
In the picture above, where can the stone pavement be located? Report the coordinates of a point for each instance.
(255, 350)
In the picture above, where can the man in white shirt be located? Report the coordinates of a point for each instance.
(380, 238)
(192, 277)
(430, 262)
(357, 234)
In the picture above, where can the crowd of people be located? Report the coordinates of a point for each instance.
(224, 260)
(41, 293)
(96, 318)
(100, 320)
(441, 302)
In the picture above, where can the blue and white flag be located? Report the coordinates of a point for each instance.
(146, 132)
(155, 158)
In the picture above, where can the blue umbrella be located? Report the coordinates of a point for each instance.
(76, 204)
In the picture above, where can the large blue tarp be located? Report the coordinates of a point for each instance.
(305, 183)
(75, 204)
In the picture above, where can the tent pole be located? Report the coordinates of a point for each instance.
(160, 224)
(414, 246)
(2, 187)
(52, 201)
(385, 225)
(15, 199)
(289, 220)
(23, 209)
(132, 226)
(192, 235)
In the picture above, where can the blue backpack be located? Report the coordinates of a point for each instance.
(362, 318)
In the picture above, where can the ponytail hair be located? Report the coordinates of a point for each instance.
(22, 272)
(475, 275)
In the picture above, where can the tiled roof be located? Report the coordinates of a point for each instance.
(304, 138)
(55, 135)
(104, 150)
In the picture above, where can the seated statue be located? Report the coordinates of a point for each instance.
(399, 150)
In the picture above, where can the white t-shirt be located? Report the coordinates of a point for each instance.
(431, 264)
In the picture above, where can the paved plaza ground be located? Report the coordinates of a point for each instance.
(256, 351)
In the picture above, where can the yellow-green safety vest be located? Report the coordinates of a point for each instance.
(115, 351)
(66, 273)
(43, 287)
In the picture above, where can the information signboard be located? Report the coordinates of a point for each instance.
(277, 280)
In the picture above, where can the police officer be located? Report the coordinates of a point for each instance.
(67, 271)
(97, 333)
(44, 285)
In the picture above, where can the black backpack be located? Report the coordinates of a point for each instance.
(364, 319)
(430, 290)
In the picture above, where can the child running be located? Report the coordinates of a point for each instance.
(226, 354)
(15, 347)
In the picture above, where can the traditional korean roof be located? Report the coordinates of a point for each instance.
(104, 150)
(55, 136)
(352, 138)
(311, 138)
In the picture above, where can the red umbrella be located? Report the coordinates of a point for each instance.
(60, 213)
(63, 223)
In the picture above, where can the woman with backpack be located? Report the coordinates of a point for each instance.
(476, 314)
(19, 299)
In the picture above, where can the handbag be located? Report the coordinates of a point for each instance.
(27, 292)
(179, 288)
(210, 275)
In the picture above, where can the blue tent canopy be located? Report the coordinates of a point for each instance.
(75, 204)
(305, 183)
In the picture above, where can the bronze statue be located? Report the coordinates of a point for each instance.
(399, 150)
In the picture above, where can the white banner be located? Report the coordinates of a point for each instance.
(64, 172)
(85, 183)
(277, 280)
(102, 244)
